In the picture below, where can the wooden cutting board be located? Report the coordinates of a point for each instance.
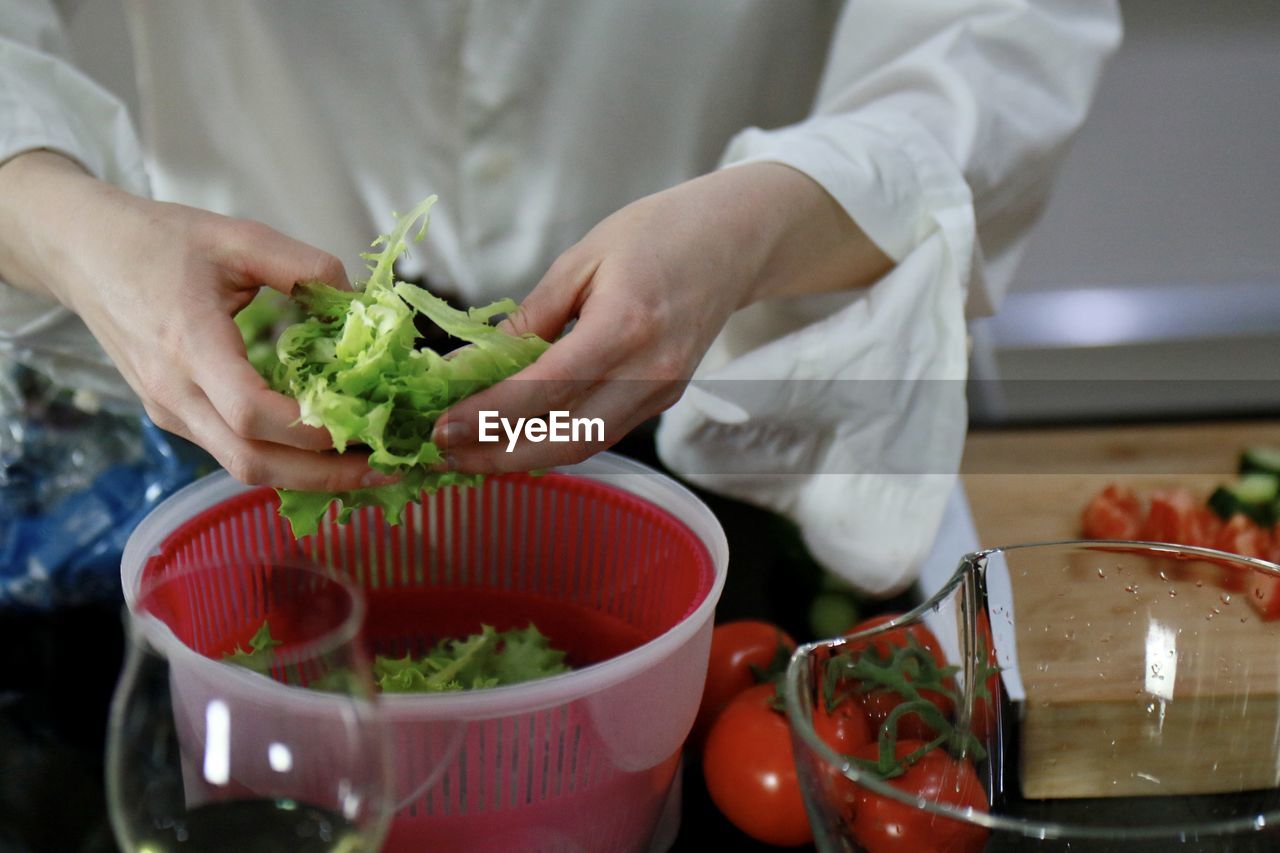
(1095, 721)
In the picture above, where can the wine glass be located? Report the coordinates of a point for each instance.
(245, 717)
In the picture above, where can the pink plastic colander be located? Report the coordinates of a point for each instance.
(620, 566)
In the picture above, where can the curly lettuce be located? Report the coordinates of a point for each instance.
(357, 369)
(489, 658)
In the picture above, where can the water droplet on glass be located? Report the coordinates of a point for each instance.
(1133, 588)
(1101, 574)
(1173, 593)
(1199, 584)
(1226, 598)
(1163, 576)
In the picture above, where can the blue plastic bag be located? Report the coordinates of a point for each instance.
(73, 486)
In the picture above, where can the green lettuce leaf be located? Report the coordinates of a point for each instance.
(259, 656)
(357, 369)
(487, 659)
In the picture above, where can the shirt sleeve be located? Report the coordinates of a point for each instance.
(938, 126)
(46, 103)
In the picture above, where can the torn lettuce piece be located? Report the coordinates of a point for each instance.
(357, 370)
(488, 659)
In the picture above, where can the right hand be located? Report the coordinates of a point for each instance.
(158, 285)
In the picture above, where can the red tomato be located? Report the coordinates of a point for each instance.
(1264, 593)
(883, 825)
(844, 728)
(895, 638)
(1176, 517)
(750, 770)
(878, 704)
(735, 648)
(1114, 513)
(1241, 535)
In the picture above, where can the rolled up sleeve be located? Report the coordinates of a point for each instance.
(938, 127)
(46, 103)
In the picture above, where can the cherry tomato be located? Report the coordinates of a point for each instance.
(750, 770)
(735, 648)
(895, 638)
(879, 704)
(1114, 513)
(844, 728)
(884, 825)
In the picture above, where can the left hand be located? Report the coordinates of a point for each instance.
(650, 288)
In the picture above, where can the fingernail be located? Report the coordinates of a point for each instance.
(376, 478)
(446, 463)
(450, 433)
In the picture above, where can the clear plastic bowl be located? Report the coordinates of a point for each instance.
(616, 563)
(1137, 708)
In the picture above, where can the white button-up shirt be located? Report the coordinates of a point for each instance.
(937, 125)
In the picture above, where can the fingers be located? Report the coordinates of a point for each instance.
(241, 397)
(262, 462)
(262, 255)
(600, 418)
(618, 404)
(555, 300)
(563, 374)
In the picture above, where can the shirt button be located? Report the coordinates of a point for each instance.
(494, 165)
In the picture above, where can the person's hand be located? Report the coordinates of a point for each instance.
(158, 284)
(650, 287)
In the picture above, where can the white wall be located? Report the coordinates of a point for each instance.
(1176, 175)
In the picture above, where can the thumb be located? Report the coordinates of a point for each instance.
(554, 301)
(268, 257)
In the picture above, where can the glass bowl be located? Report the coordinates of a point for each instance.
(1087, 696)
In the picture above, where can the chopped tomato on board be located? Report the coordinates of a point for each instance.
(1114, 513)
(1242, 536)
(1175, 516)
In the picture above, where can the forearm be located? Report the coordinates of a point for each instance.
(44, 197)
(808, 243)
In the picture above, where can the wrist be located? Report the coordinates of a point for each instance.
(808, 242)
(44, 197)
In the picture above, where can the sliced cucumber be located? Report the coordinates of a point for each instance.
(1260, 460)
(1255, 495)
